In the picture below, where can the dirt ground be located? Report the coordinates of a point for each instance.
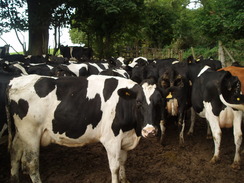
(149, 162)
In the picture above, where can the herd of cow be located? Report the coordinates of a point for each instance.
(52, 100)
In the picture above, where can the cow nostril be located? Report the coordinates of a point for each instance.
(149, 132)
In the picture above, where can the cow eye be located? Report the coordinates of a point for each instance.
(179, 83)
(165, 83)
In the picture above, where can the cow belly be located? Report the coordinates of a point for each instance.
(226, 118)
(49, 137)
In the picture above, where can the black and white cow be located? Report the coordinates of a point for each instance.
(15, 68)
(4, 81)
(216, 97)
(214, 64)
(175, 88)
(115, 71)
(142, 72)
(138, 61)
(194, 68)
(40, 69)
(81, 69)
(76, 52)
(74, 111)
(4, 50)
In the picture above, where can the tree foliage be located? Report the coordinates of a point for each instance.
(105, 21)
(107, 25)
(158, 24)
(222, 19)
(37, 17)
(13, 15)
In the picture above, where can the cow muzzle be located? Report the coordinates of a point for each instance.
(149, 131)
(172, 107)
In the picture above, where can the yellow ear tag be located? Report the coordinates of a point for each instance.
(127, 93)
(169, 95)
(190, 61)
(198, 60)
(238, 99)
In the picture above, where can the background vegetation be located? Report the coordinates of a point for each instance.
(109, 25)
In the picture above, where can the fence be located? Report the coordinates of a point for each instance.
(151, 53)
(227, 57)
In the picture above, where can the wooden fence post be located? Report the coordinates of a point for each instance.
(180, 55)
(168, 54)
(221, 54)
(193, 52)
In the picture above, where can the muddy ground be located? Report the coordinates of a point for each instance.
(149, 162)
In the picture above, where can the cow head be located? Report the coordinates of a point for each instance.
(62, 70)
(230, 91)
(139, 61)
(173, 87)
(146, 104)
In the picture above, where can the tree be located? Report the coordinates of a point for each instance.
(13, 18)
(60, 18)
(104, 21)
(222, 19)
(159, 19)
(37, 20)
(40, 18)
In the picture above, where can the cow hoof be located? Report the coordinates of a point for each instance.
(214, 160)
(182, 144)
(162, 141)
(14, 179)
(236, 166)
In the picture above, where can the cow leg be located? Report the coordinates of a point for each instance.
(181, 127)
(181, 136)
(162, 128)
(30, 164)
(216, 131)
(16, 152)
(193, 120)
(30, 154)
(5, 126)
(123, 158)
(113, 153)
(209, 134)
(237, 138)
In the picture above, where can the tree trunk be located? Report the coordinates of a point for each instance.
(100, 46)
(39, 21)
(107, 47)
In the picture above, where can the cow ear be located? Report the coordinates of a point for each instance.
(126, 93)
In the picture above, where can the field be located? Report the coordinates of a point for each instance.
(149, 162)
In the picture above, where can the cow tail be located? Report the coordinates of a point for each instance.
(9, 119)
